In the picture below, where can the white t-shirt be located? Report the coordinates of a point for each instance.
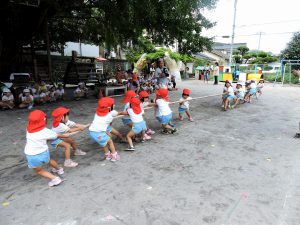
(43, 95)
(7, 98)
(230, 91)
(135, 118)
(70, 123)
(252, 85)
(61, 128)
(126, 107)
(260, 85)
(186, 104)
(144, 104)
(60, 92)
(78, 90)
(163, 107)
(37, 142)
(24, 98)
(100, 123)
(216, 71)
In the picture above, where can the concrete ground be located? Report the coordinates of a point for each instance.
(239, 167)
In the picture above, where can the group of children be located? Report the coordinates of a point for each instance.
(38, 94)
(148, 83)
(100, 130)
(242, 93)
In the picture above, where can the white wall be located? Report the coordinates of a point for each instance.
(87, 50)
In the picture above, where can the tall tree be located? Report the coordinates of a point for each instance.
(111, 22)
(292, 50)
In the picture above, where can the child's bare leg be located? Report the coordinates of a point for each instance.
(111, 145)
(40, 171)
(67, 148)
(129, 137)
(23, 105)
(142, 134)
(167, 126)
(53, 164)
(130, 125)
(117, 133)
(226, 104)
(105, 148)
(71, 141)
(188, 113)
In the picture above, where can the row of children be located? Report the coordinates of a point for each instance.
(100, 130)
(38, 94)
(242, 93)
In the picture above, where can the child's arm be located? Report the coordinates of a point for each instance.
(123, 113)
(66, 135)
(151, 104)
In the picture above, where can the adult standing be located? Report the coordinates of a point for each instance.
(216, 73)
(162, 74)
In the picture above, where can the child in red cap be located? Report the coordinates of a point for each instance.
(163, 111)
(36, 148)
(184, 105)
(101, 127)
(126, 100)
(139, 125)
(61, 125)
(144, 97)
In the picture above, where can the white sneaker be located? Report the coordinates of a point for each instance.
(60, 171)
(130, 148)
(70, 163)
(79, 152)
(54, 182)
(108, 156)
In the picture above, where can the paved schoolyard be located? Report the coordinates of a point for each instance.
(239, 167)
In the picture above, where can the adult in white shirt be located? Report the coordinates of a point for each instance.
(216, 73)
(162, 74)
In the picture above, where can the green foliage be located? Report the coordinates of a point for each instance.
(292, 50)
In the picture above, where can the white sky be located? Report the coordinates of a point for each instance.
(256, 12)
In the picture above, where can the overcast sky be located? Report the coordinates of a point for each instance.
(266, 13)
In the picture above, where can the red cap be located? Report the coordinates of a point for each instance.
(144, 94)
(135, 104)
(186, 91)
(57, 114)
(36, 121)
(163, 93)
(128, 96)
(104, 105)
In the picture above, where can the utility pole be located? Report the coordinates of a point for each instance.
(233, 32)
(260, 33)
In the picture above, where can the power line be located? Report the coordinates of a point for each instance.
(257, 24)
(289, 32)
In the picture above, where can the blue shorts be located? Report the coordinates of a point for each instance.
(100, 137)
(166, 119)
(109, 128)
(252, 91)
(126, 121)
(240, 97)
(56, 142)
(230, 97)
(139, 127)
(182, 110)
(158, 118)
(38, 160)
